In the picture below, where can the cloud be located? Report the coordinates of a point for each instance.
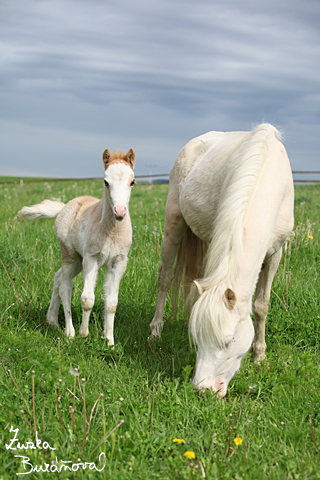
(154, 74)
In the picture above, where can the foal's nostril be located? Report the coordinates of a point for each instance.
(120, 211)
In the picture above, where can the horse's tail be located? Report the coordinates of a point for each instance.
(45, 209)
(191, 254)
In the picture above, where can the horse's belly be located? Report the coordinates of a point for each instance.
(199, 219)
(199, 200)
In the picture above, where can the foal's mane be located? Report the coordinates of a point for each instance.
(118, 156)
(225, 252)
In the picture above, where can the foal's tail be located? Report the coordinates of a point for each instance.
(190, 258)
(45, 209)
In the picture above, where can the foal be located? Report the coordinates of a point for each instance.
(92, 233)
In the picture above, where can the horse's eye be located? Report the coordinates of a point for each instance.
(132, 183)
(106, 183)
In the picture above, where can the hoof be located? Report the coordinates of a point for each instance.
(257, 357)
(70, 332)
(109, 341)
(52, 323)
(154, 338)
(155, 331)
(84, 333)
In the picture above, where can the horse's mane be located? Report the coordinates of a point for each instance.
(225, 251)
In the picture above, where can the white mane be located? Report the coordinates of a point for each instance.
(225, 253)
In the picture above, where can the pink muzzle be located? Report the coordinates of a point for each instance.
(119, 211)
(218, 385)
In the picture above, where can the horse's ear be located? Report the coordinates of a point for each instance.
(199, 287)
(229, 298)
(106, 158)
(131, 158)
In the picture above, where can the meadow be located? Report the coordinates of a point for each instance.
(134, 405)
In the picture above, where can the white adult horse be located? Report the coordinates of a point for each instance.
(228, 213)
(92, 233)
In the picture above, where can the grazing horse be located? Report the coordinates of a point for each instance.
(228, 213)
(92, 233)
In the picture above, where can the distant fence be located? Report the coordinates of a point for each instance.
(158, 178)
(43, 180)
(301, 180)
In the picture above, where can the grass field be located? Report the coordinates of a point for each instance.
(148, 400)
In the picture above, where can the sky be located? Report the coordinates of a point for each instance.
(80, 76)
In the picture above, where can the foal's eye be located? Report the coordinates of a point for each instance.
(106, 183)
(132, 183)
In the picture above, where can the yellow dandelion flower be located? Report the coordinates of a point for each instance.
(311, 237)
(190, 455)
(178, 440)
(237, 441)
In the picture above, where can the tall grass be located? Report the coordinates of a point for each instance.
(131, 402)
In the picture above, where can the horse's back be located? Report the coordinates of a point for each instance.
(202, 166)
(196, 150)
(209, 163)
(71, 214)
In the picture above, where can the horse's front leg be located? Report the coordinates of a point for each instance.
(115, 271)
(174, 229)
(261, 304)
(90, 273)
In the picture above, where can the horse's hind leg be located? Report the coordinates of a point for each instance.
(261, 304)
(174, 230)
(52, 314)
(68, 271)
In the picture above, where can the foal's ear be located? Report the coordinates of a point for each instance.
(106, 158)
(199, 287)
(229, 298)
(131, 158)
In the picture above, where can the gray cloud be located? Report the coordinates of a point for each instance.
(78, 76)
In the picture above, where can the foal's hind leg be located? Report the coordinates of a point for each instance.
(261, 304)
(174, 230)
(53, 310)
(68, 271)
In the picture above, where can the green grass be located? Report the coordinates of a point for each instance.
(148, 385)
(5, 180)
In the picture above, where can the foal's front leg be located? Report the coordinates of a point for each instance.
(90, 273)
(115, 271)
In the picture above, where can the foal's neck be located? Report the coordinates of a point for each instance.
(107, 217)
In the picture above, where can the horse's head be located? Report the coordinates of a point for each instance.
(223, 336)
(119, 179)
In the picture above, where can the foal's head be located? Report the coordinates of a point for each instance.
(119, 179)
